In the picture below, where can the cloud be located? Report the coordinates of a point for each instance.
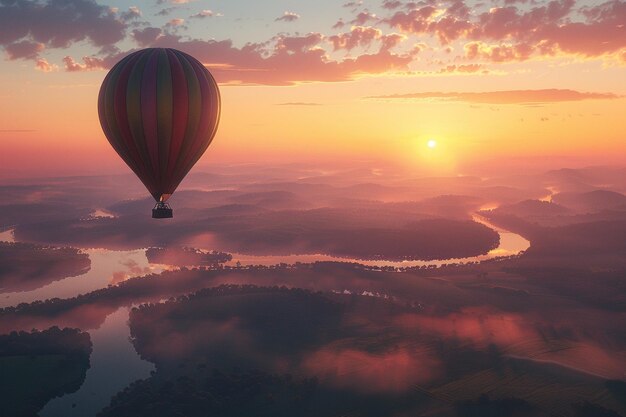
(88, 64)
(510, 33)
(204, 14)
(507, 97)
(132, 14)
(288, 17)
(364, 36)
(175, 22)
(372, 372)
(394, 39)
(464, 68)
(24, 50)
(478, 325)
(173, 1)
(298, 103)
(429, 20)
(340, 23)
(358, 36)
(364, 17)
(283, 61)
(353, 4)
(43, 65)
(147, 36)
(58, 23)
(165, 12)
(498, 53)
(391, 4)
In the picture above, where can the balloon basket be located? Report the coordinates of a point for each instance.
(162, 211)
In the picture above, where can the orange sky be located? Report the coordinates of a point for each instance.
(351, 103)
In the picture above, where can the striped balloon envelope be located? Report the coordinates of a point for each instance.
(159, 108)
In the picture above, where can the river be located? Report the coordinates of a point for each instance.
(114, 363)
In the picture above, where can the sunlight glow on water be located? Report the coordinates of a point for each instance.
(110, 267)
(107, 267)
(510, 244)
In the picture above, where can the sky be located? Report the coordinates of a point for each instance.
(497, 83)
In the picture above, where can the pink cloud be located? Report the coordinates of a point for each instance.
(364, 17)
(340, 23)
(298, 43)
(88, 64)
(175, 22)
(391, 41)
(364, 36)
(458, 9)
(515, 34)
(285, 61)
(476, 325)
(391, 4)
(43, 65)
(498, 53)
(358, 36)
(414, 21)
(424, 21)
(392, 371)
(464, 68)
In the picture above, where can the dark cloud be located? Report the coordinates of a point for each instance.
(165, 12)
(56, 24)
(24, 49)
(340, 23)
(132, 13)
(146, 36)
(363, 18)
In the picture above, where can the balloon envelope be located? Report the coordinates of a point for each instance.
(159, 108)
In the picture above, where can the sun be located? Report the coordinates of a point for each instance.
(432, 143)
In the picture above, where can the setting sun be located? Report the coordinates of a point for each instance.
(432, 143)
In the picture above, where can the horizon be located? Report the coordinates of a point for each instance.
(513, 79)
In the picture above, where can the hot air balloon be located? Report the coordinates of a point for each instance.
(159, 108)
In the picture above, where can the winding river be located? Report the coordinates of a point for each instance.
(111, 343)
